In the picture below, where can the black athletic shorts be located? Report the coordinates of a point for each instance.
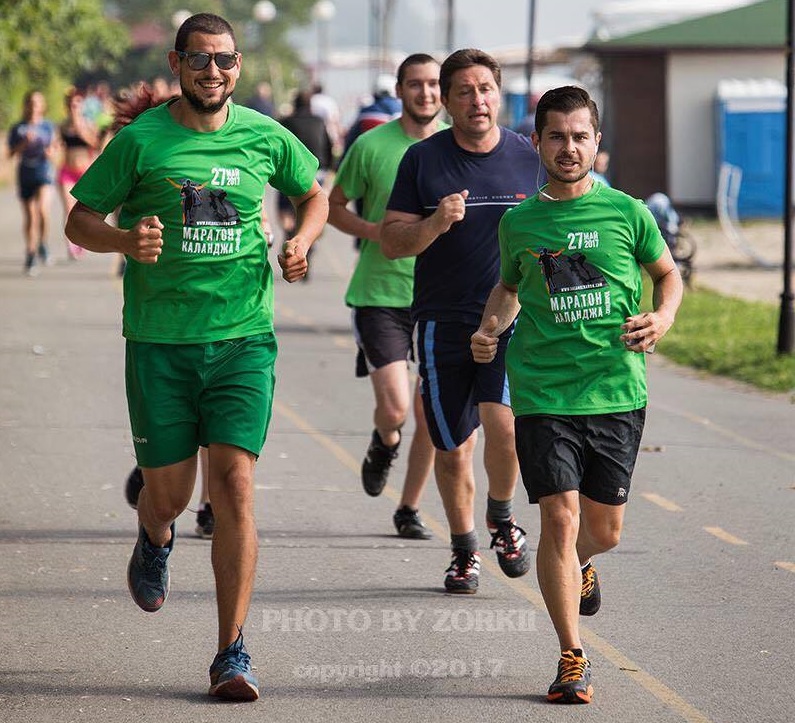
(383, 335)
(453, 384)
(31, 178)
(594, 454)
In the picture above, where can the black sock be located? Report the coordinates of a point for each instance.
(394, 447)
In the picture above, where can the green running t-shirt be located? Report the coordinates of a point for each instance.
(368, 172)
(212, 280)
(576, 264)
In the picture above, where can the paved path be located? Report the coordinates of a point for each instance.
(348, 622)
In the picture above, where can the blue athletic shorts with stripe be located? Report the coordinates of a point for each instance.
(453, 384)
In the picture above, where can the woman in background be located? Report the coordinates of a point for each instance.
(33, 141)
(80, 142)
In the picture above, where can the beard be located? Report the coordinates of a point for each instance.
(420, 119)
(552, 173)
(204, 106)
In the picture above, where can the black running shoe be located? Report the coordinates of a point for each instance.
(133, 487)
(508, 539)
(573, 683)
(205, 522)
(463, 575)
(377, 462)
(408, 524)
(590, 595)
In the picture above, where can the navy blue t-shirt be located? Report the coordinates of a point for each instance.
(454, 276)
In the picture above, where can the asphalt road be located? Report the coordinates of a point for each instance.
(348, 622)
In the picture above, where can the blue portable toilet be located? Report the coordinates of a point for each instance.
(751, 135)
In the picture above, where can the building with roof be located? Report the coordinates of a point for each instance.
(660, 95)
(614, 18)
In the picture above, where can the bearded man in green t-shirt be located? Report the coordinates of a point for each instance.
(381, 289)
(570, 261)
(189, 178)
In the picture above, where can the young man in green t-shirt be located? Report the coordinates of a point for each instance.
(189, 177)
(381, 289)
(570, 261)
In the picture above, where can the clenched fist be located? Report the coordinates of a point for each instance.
(145, 240)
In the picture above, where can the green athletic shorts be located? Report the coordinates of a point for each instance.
(181, 396)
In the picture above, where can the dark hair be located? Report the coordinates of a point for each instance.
(203, 23)
(565, 99)
(27, 101)
(466, 58)
(414, 59)
(71, 93)
(302, 100)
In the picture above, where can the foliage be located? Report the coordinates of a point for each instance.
(45, 43)
(49, 44)
(729, 337)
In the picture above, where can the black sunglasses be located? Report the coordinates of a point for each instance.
(199, 61)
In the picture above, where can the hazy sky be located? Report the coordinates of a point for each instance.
(506, 22)
(489, 24)
(419, 27)
(420, 24)
(497, 23)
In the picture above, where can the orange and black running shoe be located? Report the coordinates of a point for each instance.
(573, 684)
(590, 594)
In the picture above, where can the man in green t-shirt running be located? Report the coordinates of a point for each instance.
(189, 177)
(570, 261)
(381, 290)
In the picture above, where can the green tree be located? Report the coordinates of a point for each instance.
(46, 43)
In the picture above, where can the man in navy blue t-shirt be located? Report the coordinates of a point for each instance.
(449, 195)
